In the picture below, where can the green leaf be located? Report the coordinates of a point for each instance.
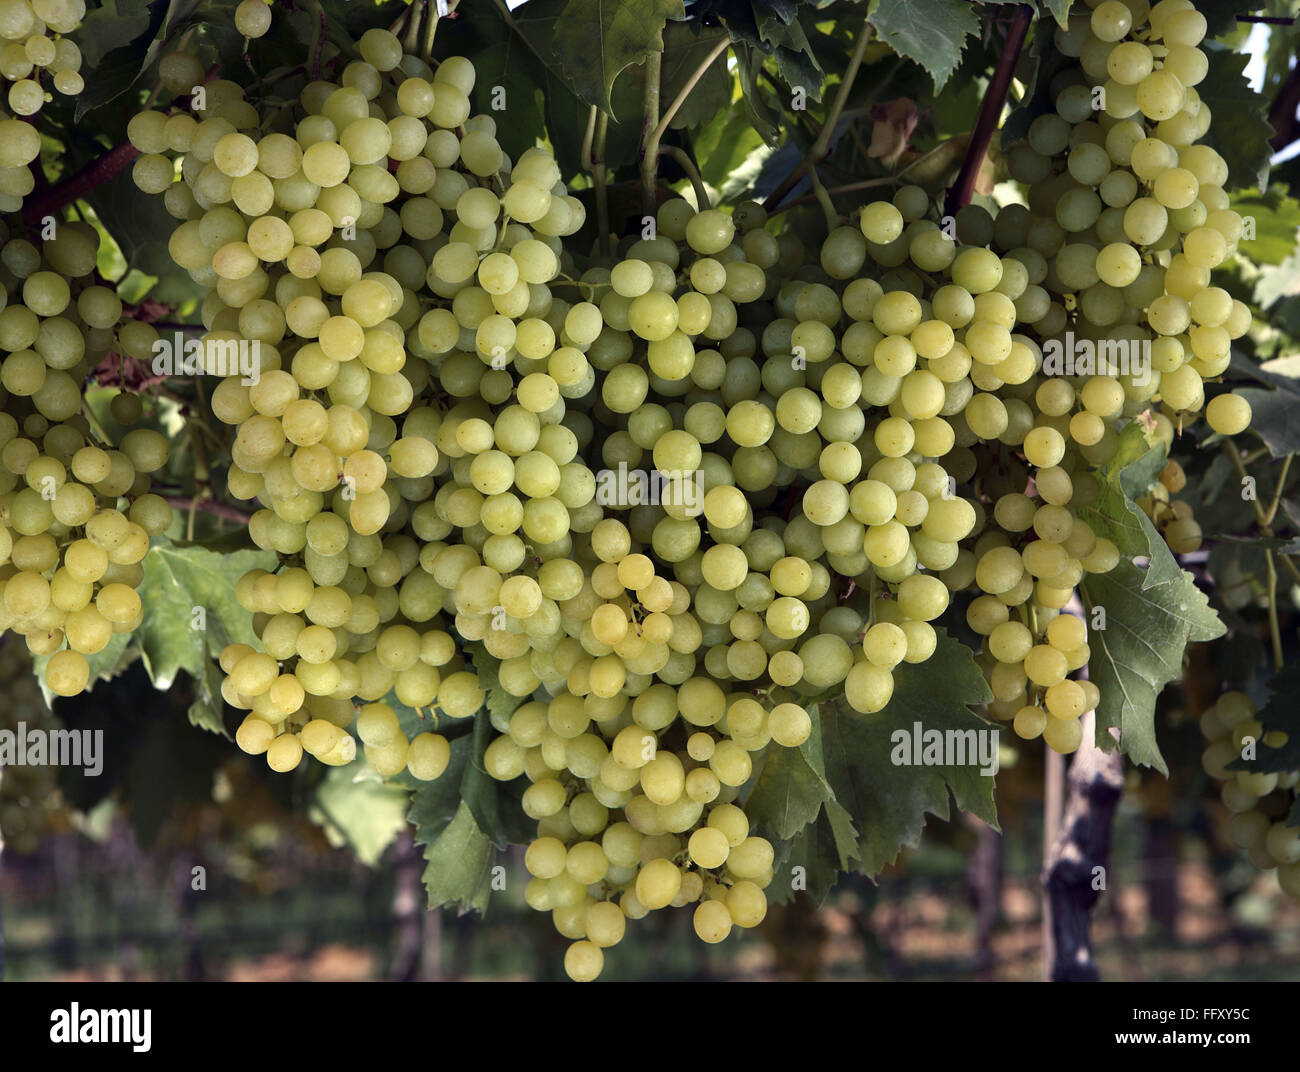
(1130, 474)
(356, 809)
(434, 804)
(458, 861)
(1274, 217)
(872, 774)
(497, 808)
(931, 33)
(779, 30)
(685, 48)
(1150, 617)
(1060, 10)
(594, 41)
(810, 861)
(110, 25)
(731, 153)
(206, 712)
(177, 583)
(1241, 129)
(1221, 15)
(763, 118)
(121, 68)
(788, 794)
(502, 60)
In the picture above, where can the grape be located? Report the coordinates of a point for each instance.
(252, 17)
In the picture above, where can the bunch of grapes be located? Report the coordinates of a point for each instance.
(1259, 803)
(76, 512)
(843, 442)
(29, 795)
(315, 251)
(34, 48)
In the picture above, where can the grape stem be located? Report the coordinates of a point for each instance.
(93, 175)
(318, 37)
(995, 97)
(661, 128)
(824, 199)
(863, 184)
(431, 28)
(208, 506)
(1274, 632)
(417, 10)
(692, 173)
(650, 122)
(593, 160)
(821, 147)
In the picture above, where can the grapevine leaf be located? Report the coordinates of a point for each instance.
(788, 794)
(122, 67)
(356, 809)
(1242, 132)
(142, 227)
(811, 861)
(458, 860)
(112, 24)
(731, 153)
(685, 48)
(497, 808)
(779, 30)
(871, 772)
(500, 704)
(594, 41)
(508, 77)
(1221, 15)
(1275, 216)
(1060, 10)
(1150, 616)
(931, 33)
(1279, 713)
(1131, 473)
(180, 582)
(206, 711)
(749, 60)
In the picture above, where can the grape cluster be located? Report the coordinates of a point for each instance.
(76, 512)
(1126, 217)
(35, 46)
(1258, 803)
(446, 396)
(315, 251)
(29, 795)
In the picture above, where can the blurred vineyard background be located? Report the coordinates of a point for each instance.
(109, 894)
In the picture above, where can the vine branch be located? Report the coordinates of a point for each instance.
(93, 175)
(692, 173)
(995, 96)
(821, 147)
(208, 506)
(650, 143)
(662, 127)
